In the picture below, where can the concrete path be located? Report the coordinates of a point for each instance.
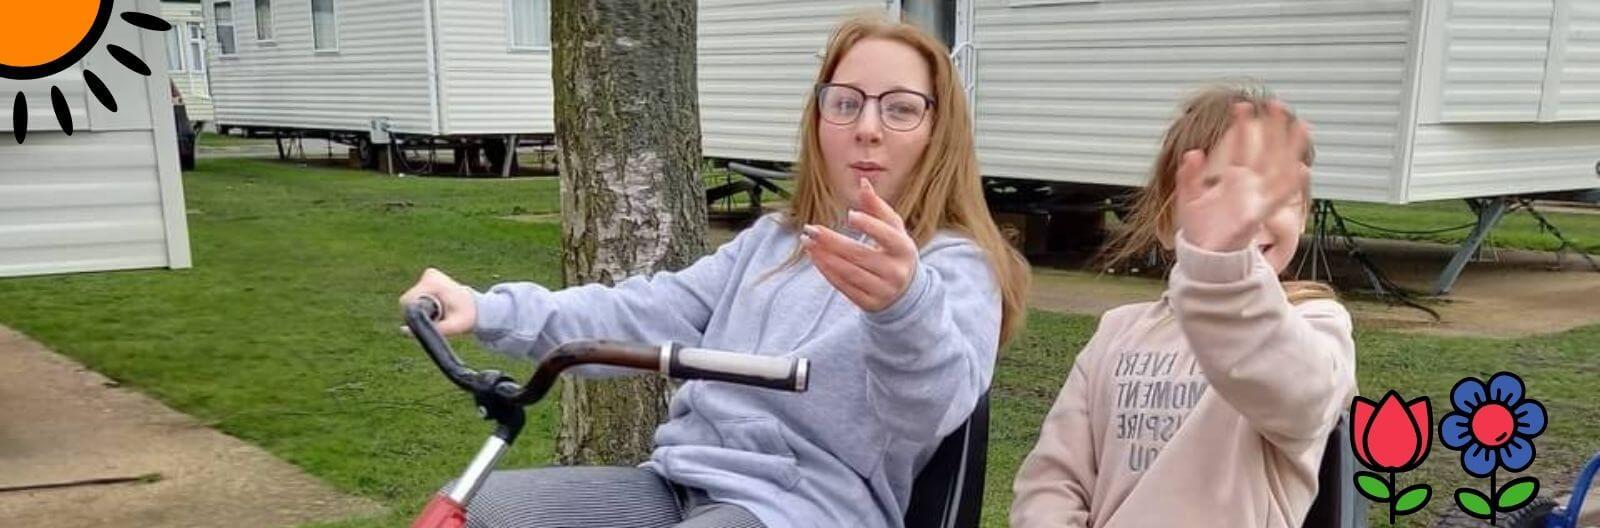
(61, 423)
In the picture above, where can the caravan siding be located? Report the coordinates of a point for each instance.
(487, 87)
(41, 116)
(758, 60)
(1081, 92)
(1491, 60)
(380, 69)
(1489, 159)
(109, 196)
(90, 201)
(1504, 87)
(1577, 96)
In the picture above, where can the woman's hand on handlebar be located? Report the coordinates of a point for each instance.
(459, 309)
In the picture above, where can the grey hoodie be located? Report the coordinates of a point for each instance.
(885, 386)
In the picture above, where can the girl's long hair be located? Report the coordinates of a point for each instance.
(945, 188)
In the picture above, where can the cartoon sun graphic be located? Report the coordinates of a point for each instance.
(40, 39)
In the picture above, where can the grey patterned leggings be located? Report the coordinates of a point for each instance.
(597, 497)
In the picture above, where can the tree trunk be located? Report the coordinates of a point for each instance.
(628, 126)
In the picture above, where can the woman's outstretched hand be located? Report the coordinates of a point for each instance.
(1257, 167)
(459, 309)
(873, 276)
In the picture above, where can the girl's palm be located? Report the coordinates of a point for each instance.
(1224, 196)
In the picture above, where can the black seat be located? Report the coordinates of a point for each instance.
(1337, 505)
(948, 493)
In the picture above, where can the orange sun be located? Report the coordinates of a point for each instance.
(40, 39)
(37, 33)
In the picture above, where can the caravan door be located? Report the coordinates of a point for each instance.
(949, 21)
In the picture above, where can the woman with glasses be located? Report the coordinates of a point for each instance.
(886, 271)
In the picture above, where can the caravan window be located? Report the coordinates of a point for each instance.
(223, 18)
(174, 52)
(197, 47)
(530, 24)
(324, 27)
(263, 19)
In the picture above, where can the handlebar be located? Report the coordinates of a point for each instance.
(420, 316)
(672, 359)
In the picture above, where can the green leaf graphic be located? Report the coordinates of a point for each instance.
(1516, 493)
(1474, 503)
(1373, 487)
(1413, 499)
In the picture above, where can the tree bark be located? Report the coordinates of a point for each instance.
(632, 202)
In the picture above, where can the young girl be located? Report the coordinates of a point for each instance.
(887, 272)
(1211, 406)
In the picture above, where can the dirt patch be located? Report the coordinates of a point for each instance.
(1568, 207)
(1082, 292)
(1508, 293)
(63, 423)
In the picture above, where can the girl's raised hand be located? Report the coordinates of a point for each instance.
(1224, 197)
(873, 276)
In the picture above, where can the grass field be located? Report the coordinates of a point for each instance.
(1518, 230)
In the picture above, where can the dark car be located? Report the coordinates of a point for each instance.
(186, 135)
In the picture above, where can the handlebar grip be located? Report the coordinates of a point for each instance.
(782, 373)
(420, 316)
(430, 307)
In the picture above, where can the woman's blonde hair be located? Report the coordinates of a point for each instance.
(944, 190)
(1204, 118)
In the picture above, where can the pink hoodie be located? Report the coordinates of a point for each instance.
(1210, 407)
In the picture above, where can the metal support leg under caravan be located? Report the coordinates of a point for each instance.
(1489, 211)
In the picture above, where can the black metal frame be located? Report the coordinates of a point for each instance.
(948, 492)
(1337, 504)
(1327, 228)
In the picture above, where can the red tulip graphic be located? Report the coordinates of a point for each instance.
(1391, 437)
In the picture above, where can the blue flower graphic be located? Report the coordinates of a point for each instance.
(1492, 426)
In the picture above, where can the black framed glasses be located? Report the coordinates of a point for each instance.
(898, 110)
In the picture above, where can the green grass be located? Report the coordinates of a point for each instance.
(1518, 230)
(284, 333)
(213, 139)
